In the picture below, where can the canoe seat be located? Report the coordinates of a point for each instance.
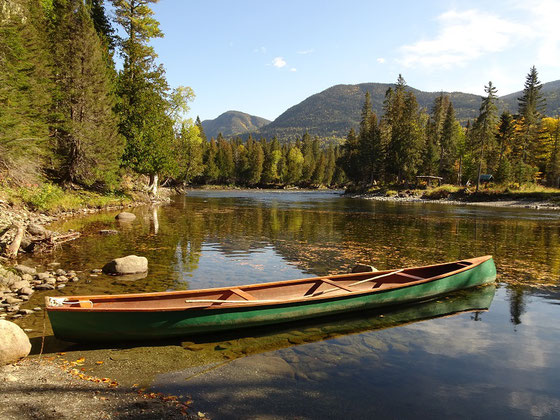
(242, 293)
(318, 282)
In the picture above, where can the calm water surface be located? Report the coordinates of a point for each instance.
(491, 352)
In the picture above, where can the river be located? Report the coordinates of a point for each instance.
(489, 352)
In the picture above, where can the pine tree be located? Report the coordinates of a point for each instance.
(294, 165)
(349, 159)
(553, 167)
(531, 107)
(202, 134)
(211, 170)
(25, 85)
(101, 22)
(224, 160)
(256, 161)
(485, 127)
(143, 90)
(308, 158)
(404, 130)
(448, 144)
(85, 131)
(188, 153)
(330, 166)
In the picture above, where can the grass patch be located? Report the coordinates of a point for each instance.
(444, 191)
(51, 198)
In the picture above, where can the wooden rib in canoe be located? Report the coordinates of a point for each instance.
(174, 314)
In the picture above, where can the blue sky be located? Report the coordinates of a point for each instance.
(262, 57)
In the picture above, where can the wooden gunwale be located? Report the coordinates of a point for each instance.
(245, 289)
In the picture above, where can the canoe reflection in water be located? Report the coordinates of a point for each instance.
(247, 342)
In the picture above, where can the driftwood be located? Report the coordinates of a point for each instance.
(47, 244)
(13, 248)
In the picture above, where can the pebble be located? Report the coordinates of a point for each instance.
(37, 309)
(25, 311)
(61, 286)
(62, 279)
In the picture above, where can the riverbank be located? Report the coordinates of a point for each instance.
(49, 388)
(543, 199)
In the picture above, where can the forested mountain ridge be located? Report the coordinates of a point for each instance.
(233, 122)
(334, 111)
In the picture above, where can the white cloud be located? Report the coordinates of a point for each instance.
(305, 52)
(279, 62)
(293, 69)
(261, 50)
(381, 60)
(544, 24)
(463, 37)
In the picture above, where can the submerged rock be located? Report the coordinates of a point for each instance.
(14, 344)
(23, 269)
(125, 216)
(363, 268)
(131, 264)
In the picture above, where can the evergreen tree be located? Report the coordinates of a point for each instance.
(202, 134)
(552, 126)
(308, 158)
(319, 173)
(369, 144)
(102, 23)
(211, 170)
(85, 131)
(224, 160)
(531, 107)
(188, 153)
(272, 159)
(143, 90)
(330, 166)
(485, 127)
(256, 161)
(349, 160)
(25, 85)
(404, 128)
(294, 165)
(448, 143)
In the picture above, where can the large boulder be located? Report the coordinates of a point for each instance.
(131, 264)
(125, 216)
(14, 343)
(23, 269)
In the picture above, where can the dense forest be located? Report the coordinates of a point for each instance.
(71, 116)
(407, 141)
(68, 115)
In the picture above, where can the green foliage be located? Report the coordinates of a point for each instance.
(87, 144)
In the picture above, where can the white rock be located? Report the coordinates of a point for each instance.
(14, 343)
(131, 264)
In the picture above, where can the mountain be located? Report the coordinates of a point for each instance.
(231, 123)
(332, 112)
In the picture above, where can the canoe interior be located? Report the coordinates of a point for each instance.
(267, 293)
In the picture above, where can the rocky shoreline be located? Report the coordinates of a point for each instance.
(506, 203)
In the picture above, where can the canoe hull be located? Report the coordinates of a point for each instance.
(90, 326)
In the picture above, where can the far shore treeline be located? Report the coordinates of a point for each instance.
(70, 116)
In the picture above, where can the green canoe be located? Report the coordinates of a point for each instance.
(148, 316)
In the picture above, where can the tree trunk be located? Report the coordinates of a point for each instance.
(13, 248)
(154, 181)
